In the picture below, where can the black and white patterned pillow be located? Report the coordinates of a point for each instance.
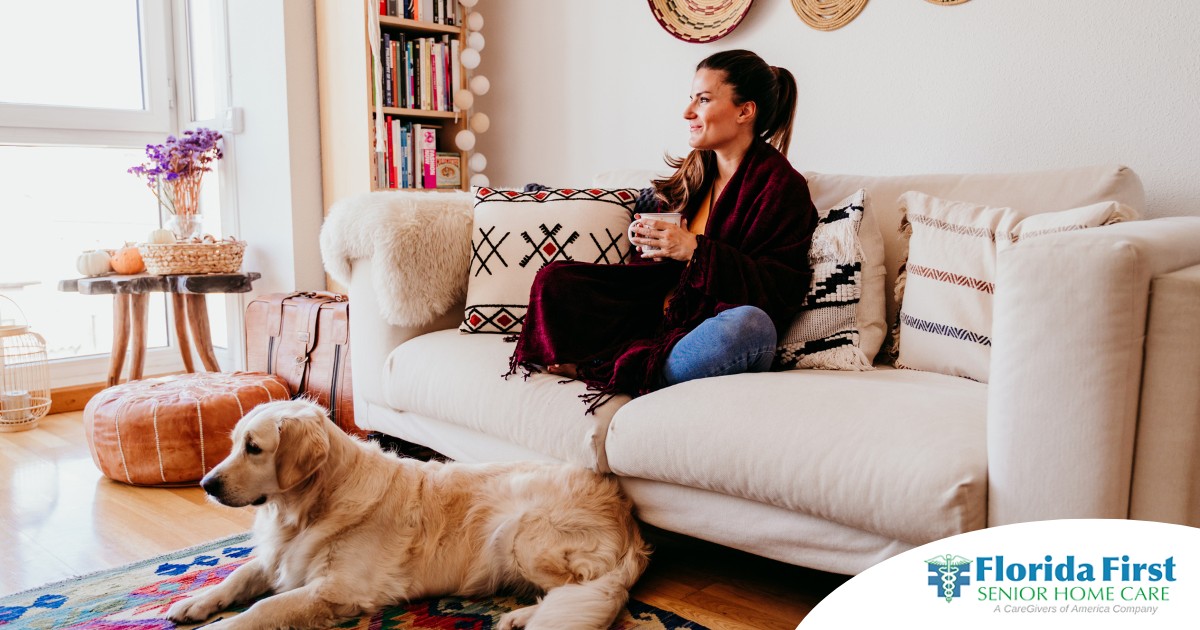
(825, 334)
(517, 233)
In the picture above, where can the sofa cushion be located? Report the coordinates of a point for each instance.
(947, 283)
(456, 378)
(516, 233)
(825, 334)
(894, 452)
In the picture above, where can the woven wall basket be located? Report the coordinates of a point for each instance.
(828, 15)
(699, 21)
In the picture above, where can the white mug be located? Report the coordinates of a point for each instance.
(674, 218)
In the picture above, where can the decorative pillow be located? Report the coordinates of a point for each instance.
(517, 233)
(945, 288)
(826, 333)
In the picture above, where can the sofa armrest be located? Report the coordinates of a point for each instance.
(372, 337)
(1067, 347)
(1166, 462)
(405, 257)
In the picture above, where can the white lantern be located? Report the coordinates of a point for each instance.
(480, 85)
(469, 58)
(465, 140)
(480, 122)
(475, 41)
(24, 371)
(477, 162)
(480, 180)
(464, 99)
(474, 21)
(467, 3)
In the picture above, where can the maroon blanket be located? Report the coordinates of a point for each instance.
(609, 319)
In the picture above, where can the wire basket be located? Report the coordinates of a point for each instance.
(177, 258)
(24, 371)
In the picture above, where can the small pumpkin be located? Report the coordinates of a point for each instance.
(93, 263)
(128, 260)
(161, 237)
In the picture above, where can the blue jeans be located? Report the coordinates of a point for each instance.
(738, 340)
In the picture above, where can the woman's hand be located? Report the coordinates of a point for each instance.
(672, 241)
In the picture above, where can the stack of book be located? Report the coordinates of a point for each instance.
(412, 160)
(436, 11)
(420, 73)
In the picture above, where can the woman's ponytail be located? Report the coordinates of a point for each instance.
(779, 131)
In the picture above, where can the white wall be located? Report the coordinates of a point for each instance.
(908, 87)
(273, 62)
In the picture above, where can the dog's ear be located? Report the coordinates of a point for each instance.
(303, 448)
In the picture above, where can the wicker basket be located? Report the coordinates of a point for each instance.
(222, 257)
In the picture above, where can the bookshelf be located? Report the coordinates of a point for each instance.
(346, 88)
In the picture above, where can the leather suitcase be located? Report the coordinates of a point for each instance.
(305, 339)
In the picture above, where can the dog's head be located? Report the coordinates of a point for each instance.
(275, 447)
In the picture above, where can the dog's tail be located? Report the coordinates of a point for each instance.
(593, 604)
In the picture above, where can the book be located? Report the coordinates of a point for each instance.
(449, 170)
(405, 163)
(455, 78)
(385, 53)
(427, 150)
(394, 155)
(436, 73)
(402, 71)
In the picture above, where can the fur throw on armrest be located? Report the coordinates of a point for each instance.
(421, 245)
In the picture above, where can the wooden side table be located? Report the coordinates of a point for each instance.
(131, 297)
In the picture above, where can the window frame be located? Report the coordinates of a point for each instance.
(168, 108)
(158, 89)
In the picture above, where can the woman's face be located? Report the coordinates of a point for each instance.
(714, 121)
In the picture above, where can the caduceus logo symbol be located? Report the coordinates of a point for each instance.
(949, 575)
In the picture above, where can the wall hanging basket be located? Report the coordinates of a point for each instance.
(222, 257)
(699, 21)
(24, 371)
(828, 15)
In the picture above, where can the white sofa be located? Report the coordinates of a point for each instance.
(1092, 409)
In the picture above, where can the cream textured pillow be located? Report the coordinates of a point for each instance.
(517, 233)
(826, 334)
(945, 288)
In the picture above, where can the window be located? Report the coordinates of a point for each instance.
(94, 85)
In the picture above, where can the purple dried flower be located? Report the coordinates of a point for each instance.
(173, 170)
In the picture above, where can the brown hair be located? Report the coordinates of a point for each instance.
(773, 91)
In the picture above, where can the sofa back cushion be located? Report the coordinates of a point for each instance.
(1031, 192)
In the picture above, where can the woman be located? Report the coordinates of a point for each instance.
(710, 299)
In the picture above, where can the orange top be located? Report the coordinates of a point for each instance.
(700, 221)
(696, 226)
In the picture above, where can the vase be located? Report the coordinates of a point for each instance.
(185, 227)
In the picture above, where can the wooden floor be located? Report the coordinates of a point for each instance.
(59, 517)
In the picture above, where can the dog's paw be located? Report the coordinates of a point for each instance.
(518, 618)
(193, 609)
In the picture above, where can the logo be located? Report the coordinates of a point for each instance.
(949, 573)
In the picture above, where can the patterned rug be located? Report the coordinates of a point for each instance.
(136, 597)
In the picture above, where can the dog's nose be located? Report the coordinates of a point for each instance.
(211, 485)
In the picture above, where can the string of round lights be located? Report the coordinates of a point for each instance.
(464, 97)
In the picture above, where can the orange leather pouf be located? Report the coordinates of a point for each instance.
(172, 430)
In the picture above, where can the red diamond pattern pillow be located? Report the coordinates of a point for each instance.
(517, 233)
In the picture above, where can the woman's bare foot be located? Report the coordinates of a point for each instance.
(569, 370)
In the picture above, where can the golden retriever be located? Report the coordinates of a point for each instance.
(346, 529)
